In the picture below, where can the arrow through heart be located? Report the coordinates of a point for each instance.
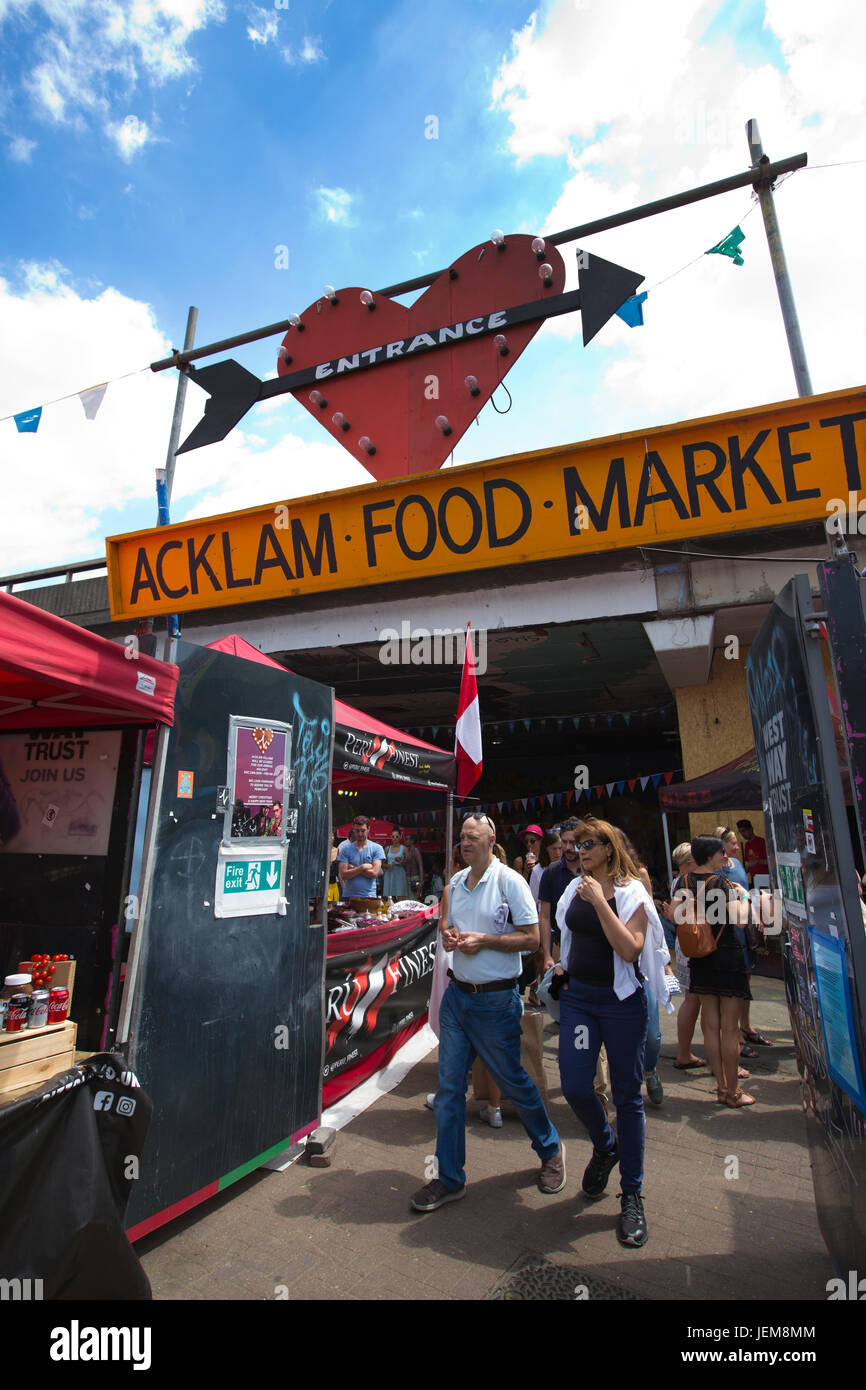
(399, 387)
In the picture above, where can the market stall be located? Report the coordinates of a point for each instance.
(196, 959)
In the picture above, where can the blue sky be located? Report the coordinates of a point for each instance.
(159, 153)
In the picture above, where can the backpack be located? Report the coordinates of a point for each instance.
(696, 939)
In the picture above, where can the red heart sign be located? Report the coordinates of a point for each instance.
(396, 378)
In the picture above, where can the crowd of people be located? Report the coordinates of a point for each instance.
(362, 868)
(575, 918)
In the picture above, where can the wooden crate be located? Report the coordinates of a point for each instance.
(35, 1054)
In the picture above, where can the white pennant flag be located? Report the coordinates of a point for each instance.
(92, 400)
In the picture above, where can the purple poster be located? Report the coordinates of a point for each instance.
(260, 779)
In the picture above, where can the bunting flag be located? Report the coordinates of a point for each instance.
(632, 311)
(729, 246)
(28, 421)
(92, 399)
(534, 725)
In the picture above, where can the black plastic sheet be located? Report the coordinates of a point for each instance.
(69, 1157)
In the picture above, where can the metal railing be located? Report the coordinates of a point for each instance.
(64, 572)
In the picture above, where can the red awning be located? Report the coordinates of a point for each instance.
(56, 675)
(347, 717)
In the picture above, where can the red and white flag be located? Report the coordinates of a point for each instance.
(467, 735)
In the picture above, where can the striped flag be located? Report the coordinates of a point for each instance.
(467, 735)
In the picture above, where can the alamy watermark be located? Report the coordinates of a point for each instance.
(439, 646)
(846, 517)
(716, 907)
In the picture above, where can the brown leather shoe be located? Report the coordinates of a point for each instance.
(551, 1179)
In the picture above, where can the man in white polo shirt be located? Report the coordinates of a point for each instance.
(480, 1013)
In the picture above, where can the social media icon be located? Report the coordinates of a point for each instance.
(126, 1105)
(103, 1100)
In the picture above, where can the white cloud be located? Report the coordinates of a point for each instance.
(264, 26)
(20, 149)
(310, 51)
(335, 205)
(57, 342)
(129, 135)
(665, 113)
(89, 56)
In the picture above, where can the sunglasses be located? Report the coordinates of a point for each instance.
(360, 823)
(471, 816)
(591, 844)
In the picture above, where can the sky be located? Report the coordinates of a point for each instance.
(236, 156)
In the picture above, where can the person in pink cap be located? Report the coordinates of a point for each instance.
(532, 838)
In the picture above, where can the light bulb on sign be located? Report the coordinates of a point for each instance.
(498, 239)
(331, 294)
(545, 275)
(471, 384)
(500, 342)
(441, 423)
(366, 443)
(283, 355)
(295, 321)
(340, 420)
(318, 399)
(538, 246)
(367, 300)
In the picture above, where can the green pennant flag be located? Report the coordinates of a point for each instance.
(729, 246)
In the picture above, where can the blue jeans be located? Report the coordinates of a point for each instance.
(653, 1032)
(485, 1026)
(621, 1024)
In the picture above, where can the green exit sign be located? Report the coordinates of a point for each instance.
(251, 875)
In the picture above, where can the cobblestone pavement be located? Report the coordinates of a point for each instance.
(728, 1197)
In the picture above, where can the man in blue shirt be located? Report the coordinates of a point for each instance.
(554, 882)
(360, 863)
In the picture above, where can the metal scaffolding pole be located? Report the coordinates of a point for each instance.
(764, 190)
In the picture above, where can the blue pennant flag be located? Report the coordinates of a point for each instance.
(657, 777)
(632, 311)
(576, 721)
(28, 421)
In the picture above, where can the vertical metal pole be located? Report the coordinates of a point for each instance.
(667, 848)
(449, 833)
(180, 398)
(165, 477)
(780, 267)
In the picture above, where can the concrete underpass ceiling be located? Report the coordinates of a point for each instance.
(533, 672)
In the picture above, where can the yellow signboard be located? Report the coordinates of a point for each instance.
(745, 471)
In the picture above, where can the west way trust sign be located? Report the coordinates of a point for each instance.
(767, 466)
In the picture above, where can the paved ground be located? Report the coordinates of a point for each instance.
(728, 1196)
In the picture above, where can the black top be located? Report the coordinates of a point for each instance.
(590, 959)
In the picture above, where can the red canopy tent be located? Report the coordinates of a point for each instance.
(56, 675)
(374, 749)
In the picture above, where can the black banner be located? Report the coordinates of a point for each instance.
(69, 1159)
(374, 755)
(823, 943)
(373, 994)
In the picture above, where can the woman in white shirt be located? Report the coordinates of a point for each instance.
(611, 941)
